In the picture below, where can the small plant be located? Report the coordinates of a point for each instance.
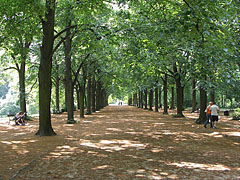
(236, 114)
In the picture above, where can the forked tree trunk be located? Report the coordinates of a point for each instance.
(165, 104)
(45, 69)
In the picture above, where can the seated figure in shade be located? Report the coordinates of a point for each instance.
(19, 118)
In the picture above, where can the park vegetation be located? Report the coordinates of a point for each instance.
(71, 54)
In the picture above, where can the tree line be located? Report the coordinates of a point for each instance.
(81, 52)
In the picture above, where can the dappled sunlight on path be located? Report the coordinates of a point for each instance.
(122, 142)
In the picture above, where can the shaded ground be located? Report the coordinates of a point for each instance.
(121, 142)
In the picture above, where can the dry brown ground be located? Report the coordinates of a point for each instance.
(121, 142)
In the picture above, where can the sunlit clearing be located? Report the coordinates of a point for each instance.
(209, 167)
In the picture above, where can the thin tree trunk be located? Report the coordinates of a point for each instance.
(93, 94)
(165, 103)
(57, 88)
(194, 97)
(156, 99)
(172, 100)
(82, 94)
(98, 96)
(141, 98)
(89, 96)
(150, 100)
(45, 69)
(160, 97)
(145, 98)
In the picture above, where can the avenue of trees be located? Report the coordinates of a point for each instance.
(72, 54)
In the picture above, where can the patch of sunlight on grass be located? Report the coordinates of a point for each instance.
(209, 167)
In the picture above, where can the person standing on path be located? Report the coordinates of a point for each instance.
(208, 114)
(214, 113)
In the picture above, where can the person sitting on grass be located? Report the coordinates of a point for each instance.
(19, 118)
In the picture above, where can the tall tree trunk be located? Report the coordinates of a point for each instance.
(22, 91)
(82, 93)
(160, 97)
(165, 103)
(77, 88)
(179, 89)
(150, 100)
(141, 98)
(172, 98)
(145, 98)
(194, 97)
(98, 96)
(89, 96)
(68, 75)
(203, 105)
(45, 69)
(57, 88)
(93, 94)
(156, 99)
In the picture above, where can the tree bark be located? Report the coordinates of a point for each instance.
(57, 88)
(145, 98)
(203, 105)
(165, 103)
(45, 69)
(89, 96)
(172, 100)
(179, 89)
(150, 100)
(82, 94)
(160, 97)
(93, 94)
(194, 97)
(141, 98)
(156, 99)
(22, 89)
(68, 77)
(98, 96)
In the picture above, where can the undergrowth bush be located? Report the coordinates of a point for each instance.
(236, 114)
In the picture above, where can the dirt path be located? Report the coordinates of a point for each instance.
(121, 142)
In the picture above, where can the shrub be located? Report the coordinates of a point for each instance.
(236, 114)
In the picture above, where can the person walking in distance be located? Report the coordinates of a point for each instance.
(208, 114)
(214, 113)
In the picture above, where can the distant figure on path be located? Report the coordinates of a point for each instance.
(214, 113)
(208, 114)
